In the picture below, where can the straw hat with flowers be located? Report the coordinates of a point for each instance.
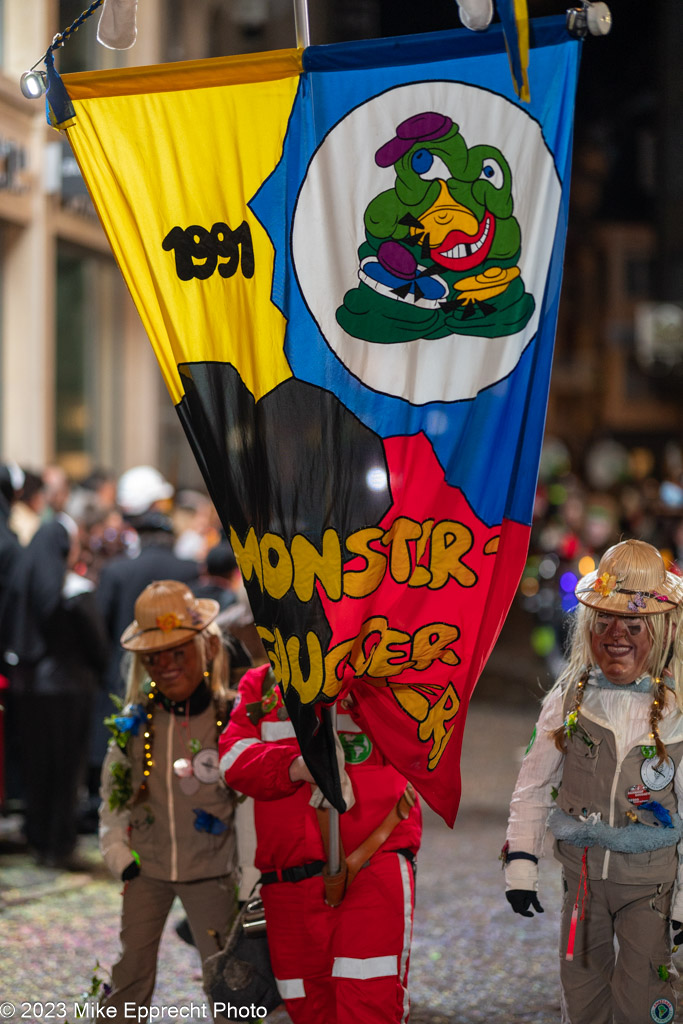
(631, 580)
(167, 614)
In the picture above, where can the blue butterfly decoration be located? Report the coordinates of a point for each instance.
(132, 718)
(205, 822)
(660, 813)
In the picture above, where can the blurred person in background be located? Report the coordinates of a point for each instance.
(144, 500)
(58, 650)
(29, 507)
(11, 482)
(195, 524)
(57, 488)
(222, 580)
(92, 503)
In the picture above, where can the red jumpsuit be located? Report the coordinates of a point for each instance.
(341, 965)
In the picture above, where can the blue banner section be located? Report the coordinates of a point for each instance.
(430, 46)
(418, 216)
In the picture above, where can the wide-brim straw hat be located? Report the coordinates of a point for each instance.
(631, 579)
(167, 614)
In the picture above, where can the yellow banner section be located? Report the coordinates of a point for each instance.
(171, 172)
(188, 74)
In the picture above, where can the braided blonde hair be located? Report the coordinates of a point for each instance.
(665, 655)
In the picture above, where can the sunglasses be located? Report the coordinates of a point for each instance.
(178, 655)
(604, 622)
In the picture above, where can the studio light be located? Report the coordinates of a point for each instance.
(33, 84)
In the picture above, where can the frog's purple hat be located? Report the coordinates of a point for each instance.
(420, 128)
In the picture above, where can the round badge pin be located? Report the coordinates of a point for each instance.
(657, 776)
(205, 765)
(662, 1011)
(182, 767)
(356, 745)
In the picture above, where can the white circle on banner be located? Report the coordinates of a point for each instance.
(343, 178)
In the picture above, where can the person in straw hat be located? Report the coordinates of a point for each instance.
(606, 756)
(166, 818)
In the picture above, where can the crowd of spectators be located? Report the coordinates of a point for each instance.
(73, 558)
(585, 504)
(123, 532)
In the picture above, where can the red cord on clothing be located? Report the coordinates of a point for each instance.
(581, 898)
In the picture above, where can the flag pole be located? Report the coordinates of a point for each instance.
(301, 26)
(334, 856)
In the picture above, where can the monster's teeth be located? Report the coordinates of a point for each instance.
(468, 248)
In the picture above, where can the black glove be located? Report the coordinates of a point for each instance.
(132, 871)
(521, 899)
(677, 938)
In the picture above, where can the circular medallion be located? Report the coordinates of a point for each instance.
(657, 776)
(189, 785)
(662, 1011)
(205, 765)
(183, 768)
(356, 745)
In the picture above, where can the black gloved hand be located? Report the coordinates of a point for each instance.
(132, 871)
(521, 899)
(677, 937)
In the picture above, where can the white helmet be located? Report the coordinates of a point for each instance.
(139, 488)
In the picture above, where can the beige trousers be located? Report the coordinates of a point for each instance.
(209, 904)
(618, 983)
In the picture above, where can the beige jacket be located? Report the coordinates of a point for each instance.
(159, 824)
(627, 716)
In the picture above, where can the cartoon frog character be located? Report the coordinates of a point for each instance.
(442, 247)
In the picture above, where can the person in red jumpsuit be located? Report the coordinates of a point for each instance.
(346, 964)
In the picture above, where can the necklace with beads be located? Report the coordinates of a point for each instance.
(190, 772)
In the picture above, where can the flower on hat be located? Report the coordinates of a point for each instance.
(637, 602)
(606, 584)
(168, 622)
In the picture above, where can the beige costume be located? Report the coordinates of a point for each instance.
(630, 877)
(176, 859)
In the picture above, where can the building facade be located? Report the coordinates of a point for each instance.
(79, 384)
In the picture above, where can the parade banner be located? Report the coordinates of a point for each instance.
(348, 261)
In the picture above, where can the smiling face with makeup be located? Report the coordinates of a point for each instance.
(178, 671)
(620, 645)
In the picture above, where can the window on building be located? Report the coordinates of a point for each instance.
(82, 52)
(88, 372)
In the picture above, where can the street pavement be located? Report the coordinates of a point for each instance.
(472, 959)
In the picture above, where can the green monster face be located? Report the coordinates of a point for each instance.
(444, 241)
